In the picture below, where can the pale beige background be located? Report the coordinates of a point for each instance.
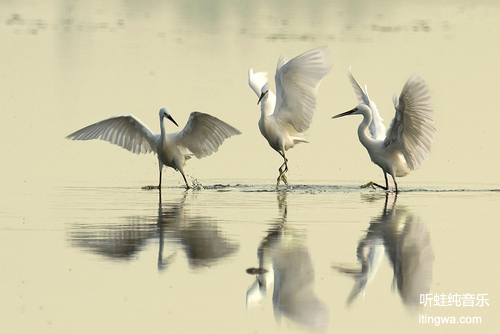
(64, 65)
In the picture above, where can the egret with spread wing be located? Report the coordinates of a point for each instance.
(408, 142)
(202, 136)
(288, 114)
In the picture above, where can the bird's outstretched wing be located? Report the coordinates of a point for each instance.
(376, 127)
(297, 84)
(126, 131)
(203, 134)
(413, 125)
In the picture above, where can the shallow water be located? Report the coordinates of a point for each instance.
(86, 249)
(101, 259)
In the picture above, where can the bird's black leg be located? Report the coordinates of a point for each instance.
(387, 183)
(185, 180)
(159, 183)
(395, 184)
(282, 171)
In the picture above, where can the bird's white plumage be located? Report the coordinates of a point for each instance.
(297, 83)
(202, 136)
(259, 84)
(125, 130)
(413, 125)
(288, 114)
(408, 141)
(377, 128)
(257, 80)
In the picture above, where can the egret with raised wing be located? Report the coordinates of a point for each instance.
(408, 142)
(288, 114)
(202, 136)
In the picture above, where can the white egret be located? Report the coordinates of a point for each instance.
(286, 116)
(202, 136)
(408, 142)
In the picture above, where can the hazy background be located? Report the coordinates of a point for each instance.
(67, 64)
(84, 249)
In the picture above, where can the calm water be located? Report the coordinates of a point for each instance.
(85, 249)
(101, 259)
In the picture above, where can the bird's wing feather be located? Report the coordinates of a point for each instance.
(297, 84)
(413, 125)
(123, 130)
(376, 127)
(257, 80)
(203, 134)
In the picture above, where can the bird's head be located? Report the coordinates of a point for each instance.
(360, 109)
(165, 113)
(263, 91)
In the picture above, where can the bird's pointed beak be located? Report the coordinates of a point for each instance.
(173, 121)
(262, 96)
(344, 113)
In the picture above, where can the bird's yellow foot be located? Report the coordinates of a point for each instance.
(369, 184)
(283, 177)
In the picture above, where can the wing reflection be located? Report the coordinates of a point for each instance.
(199, 237)
(407, 243)
(115, 241)
(287, 263)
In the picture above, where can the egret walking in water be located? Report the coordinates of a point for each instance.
(408, 142)
(286, 116)
(202, 136)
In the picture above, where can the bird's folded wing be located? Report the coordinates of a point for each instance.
(376, 127)
(413, 125)
(122, 130)
(203, 134)
(297, 84)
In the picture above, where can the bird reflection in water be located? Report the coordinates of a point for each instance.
(406, 241)
(285, 261)
(200, 237)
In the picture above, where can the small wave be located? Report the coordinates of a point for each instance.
(330, 188)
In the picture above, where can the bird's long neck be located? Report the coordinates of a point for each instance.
(363, 133)
(162, 128)
(267, 104)
(266, 109)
